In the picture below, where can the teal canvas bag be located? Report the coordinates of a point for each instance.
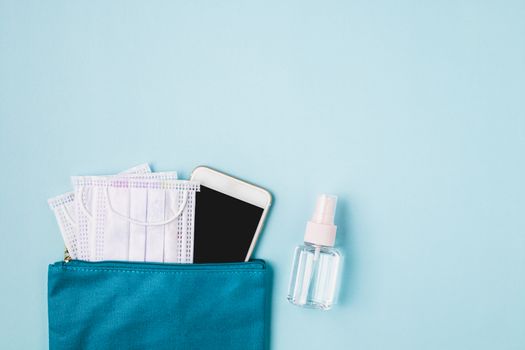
(126, 305)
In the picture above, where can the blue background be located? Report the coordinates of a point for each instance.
(413, 112)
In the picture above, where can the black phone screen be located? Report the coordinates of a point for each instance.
(224, 227)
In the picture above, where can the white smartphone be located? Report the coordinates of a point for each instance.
(229, 216)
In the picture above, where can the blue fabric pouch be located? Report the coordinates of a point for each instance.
(126, 305)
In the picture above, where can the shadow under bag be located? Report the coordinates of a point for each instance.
(126, 305)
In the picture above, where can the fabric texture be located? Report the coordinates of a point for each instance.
(125, 305)
(135, 218)
(64, 208)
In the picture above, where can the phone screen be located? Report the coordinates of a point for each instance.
(224, 227)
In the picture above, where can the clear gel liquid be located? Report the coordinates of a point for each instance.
(314, 277)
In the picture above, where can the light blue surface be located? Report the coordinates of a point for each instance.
(412, 112)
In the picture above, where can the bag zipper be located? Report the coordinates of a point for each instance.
(67, 257)
(123, 265)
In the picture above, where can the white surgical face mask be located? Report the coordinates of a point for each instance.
(65, 212)
(90, 197)
(136, 219)
(64, 208)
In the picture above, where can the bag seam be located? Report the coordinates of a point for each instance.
(151, 271)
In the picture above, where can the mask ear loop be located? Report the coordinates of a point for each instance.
(145, 223)
(83, 205)
(69, 217)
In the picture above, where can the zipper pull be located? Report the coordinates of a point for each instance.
(67, 257)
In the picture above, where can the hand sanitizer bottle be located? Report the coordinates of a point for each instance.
(315, 269)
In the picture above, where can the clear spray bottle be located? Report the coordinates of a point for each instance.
(316, 263)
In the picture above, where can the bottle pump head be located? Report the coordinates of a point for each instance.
(320, 230)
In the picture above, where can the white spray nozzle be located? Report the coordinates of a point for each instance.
(320, 229)
(325, 209)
